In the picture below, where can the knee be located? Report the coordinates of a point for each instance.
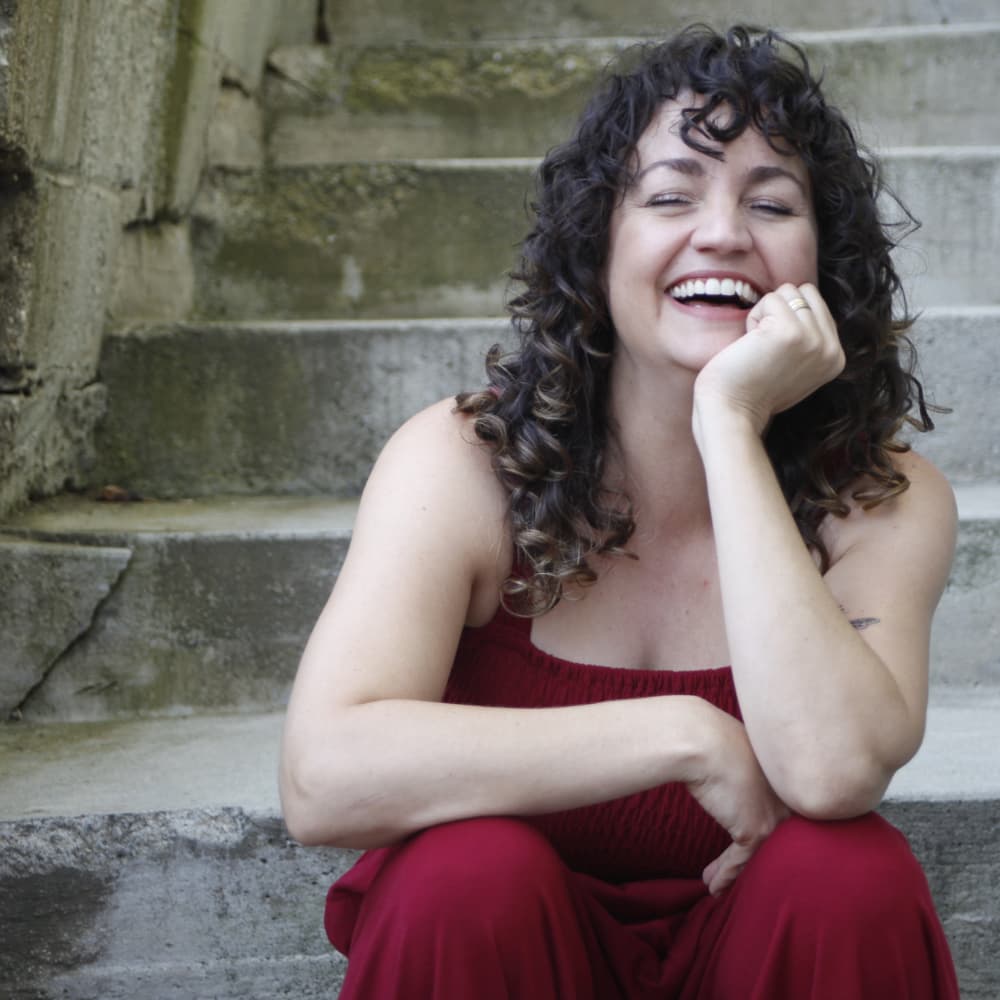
(490, 868)
(862, 868)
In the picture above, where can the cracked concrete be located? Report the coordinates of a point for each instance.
(51, 595)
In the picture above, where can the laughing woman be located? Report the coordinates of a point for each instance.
(629, 644)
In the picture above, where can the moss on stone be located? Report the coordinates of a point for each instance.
(409, 77)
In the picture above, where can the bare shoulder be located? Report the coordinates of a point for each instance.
(910, 536)
(433, 498)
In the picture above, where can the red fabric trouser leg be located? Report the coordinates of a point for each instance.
(486, 909)
(823, 911)
(475, 910)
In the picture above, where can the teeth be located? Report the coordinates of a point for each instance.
(715, 286)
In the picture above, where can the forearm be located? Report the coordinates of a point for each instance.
(387, 768)
(822, 710)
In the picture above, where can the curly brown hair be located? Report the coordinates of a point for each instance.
(543, 414)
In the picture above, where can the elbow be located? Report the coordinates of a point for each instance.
(310, 805)
(833, 793)
(324, 809)
(300, 813)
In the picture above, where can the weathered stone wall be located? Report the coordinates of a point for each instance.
(106, 113)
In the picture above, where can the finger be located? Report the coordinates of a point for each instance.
(799, 302)
(722, 872)
(817, 306)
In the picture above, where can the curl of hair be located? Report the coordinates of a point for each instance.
(544, 412)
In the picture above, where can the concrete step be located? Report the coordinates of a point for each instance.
(304, 407)
(328, 104)
(457, 20)
(437, 238)
(210, 614)
(216, 602)
(148, 858)
(300, 407)
(959, 352)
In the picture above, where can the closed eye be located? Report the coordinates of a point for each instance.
(667, 200)
(771, 207)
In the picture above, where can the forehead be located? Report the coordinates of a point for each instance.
(662, 139)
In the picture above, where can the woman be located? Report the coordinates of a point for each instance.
(628, 645)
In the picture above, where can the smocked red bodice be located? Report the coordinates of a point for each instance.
(659, 832)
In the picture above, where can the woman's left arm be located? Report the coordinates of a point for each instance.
(831, 671)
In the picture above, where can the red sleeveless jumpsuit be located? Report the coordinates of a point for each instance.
(606, 902)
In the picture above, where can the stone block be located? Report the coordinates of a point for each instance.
(77, 241)
(965, 643)
(193, 79)
(284, 407)
(186, 401)
(95, 115)
(51, 593)
(236, 133)
(955, 193)
(46, 438)
(460, 21)
(328, 104)
(959, 352)
(221, 903)
(387, 240)
(297, 23)
(213, 903)
(155, 276)
(212, 615)
(909, 86)
(18, 236)
(244, 31)
(432, 238)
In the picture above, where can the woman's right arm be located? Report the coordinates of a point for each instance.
(370, 754)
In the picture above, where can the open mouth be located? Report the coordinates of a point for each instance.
(715, 292)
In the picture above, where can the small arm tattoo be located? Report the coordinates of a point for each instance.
(862, 623)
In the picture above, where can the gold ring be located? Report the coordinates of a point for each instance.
(798, 304)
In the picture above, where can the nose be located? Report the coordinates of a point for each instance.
(721, 228)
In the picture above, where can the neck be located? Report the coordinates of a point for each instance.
(653, 456)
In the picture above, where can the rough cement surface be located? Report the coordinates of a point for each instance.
(154, 277)
(456, 20)
(221, 903)
(47, 438)
(955, 193)
(105, 115)
(335, 103)
(438, 238)
(965, 642)
(203, 620)
(79, 101)
(213, 903)
(50, 595)
(358, 240)
(294, 407)
(187, 401)
(140, 766)
(236, 132)
(958, 351)
(156, 857)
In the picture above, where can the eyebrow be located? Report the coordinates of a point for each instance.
(693, 168)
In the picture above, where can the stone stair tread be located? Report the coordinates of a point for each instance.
(430, 237)
(483, 97)
(84, 518)
(887, 32)
(140, 766)
(503, 22)
(79, 516)
(220, 762)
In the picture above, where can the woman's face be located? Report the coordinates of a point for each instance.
(696, 241)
